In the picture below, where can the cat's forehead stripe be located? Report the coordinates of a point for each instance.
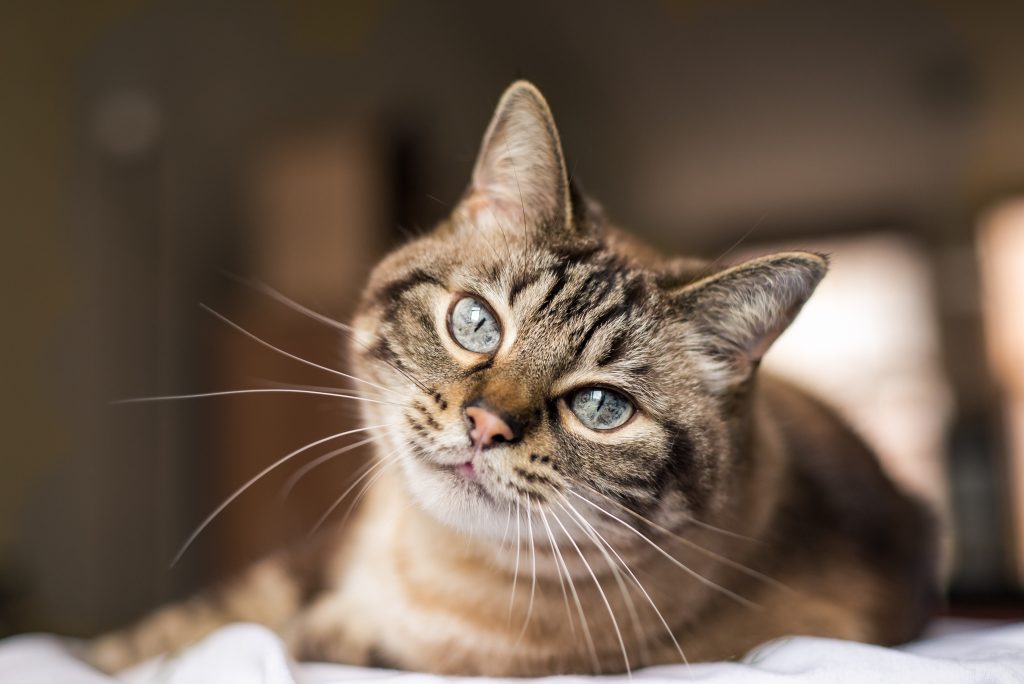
(613, 313)
(521, 282)
(592, 296)
(390, 292)
(559, 275)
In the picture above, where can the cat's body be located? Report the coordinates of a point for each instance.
(581, 470)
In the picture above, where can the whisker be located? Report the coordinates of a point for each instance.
(522, 202)
(392, 461)
(595, 661)
(379, 466)
(515, 576)
(533, 570)
(561, 581)
(600, 543)
(639, 584)
(260, 390)
(372, 394)
(709, 269)
(693, 573)
(484, 237)
(294, 478)
(238, 492)
(284, 299)
(312, 364)
(722, 531)
(501, 229)
(600, 590)
(508, 523)
(724, 560)
(446, 205)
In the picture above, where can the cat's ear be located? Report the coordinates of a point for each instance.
(739, 312)
(520, 173)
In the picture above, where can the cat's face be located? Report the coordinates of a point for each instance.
(574, 355)
(531, 358)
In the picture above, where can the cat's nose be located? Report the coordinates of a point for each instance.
(487, 428)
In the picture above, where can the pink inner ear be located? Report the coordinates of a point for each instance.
(483, 210)
(476, 203)
(765, 340)
(520, 173)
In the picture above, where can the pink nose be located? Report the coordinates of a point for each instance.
(486, 428)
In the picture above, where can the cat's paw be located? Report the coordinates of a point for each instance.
(326, 644)
(111, 653)
(168, 630)
(323, 634)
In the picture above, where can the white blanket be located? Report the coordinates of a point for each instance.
(249, 654)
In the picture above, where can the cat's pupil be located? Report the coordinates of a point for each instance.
(600, 409)
(474, 327)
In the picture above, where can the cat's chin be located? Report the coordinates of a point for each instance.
(457, 499)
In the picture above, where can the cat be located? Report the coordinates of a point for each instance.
(580, 469)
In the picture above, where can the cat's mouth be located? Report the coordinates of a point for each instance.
(476, 491)
(464, 477)
(467, 470)
(467, 477)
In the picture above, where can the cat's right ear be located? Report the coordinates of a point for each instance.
(519, 181)
(736, 314)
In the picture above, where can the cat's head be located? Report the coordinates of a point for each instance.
(533, 354)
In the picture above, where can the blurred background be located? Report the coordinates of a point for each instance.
(148, 149)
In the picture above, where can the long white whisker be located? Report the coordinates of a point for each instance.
(533, 570)
(371, 393)
(515, 576)
(259, 390)
(508, 523)
(238, 492)
(282, 298)
(735, 565)
(312, 364)
(604, 598)
(561, 581)
(292, 480)
(639, 584)
(722, 531)
(378, 466)
(600, 543)
(392, 460)
(693, 573)
(595, 661)
(315, 315)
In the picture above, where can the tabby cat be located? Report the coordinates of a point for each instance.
(579, 469)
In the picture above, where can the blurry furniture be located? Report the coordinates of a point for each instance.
(1001, 238)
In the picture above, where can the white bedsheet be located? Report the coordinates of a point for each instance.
(250, 654)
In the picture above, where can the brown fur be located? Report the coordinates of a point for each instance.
(731, 509)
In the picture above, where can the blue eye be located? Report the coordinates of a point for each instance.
(600, 408)
(473, 326)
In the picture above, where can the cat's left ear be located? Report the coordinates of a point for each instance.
(520, 175)
(739, 312)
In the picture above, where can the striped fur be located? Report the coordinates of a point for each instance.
(729, 510)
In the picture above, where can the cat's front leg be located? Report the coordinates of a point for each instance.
(330, 630)
(267, 593)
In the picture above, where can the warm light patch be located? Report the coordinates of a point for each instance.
(868, 343)
(1001, 251)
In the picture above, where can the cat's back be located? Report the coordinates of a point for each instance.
(839, 506)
